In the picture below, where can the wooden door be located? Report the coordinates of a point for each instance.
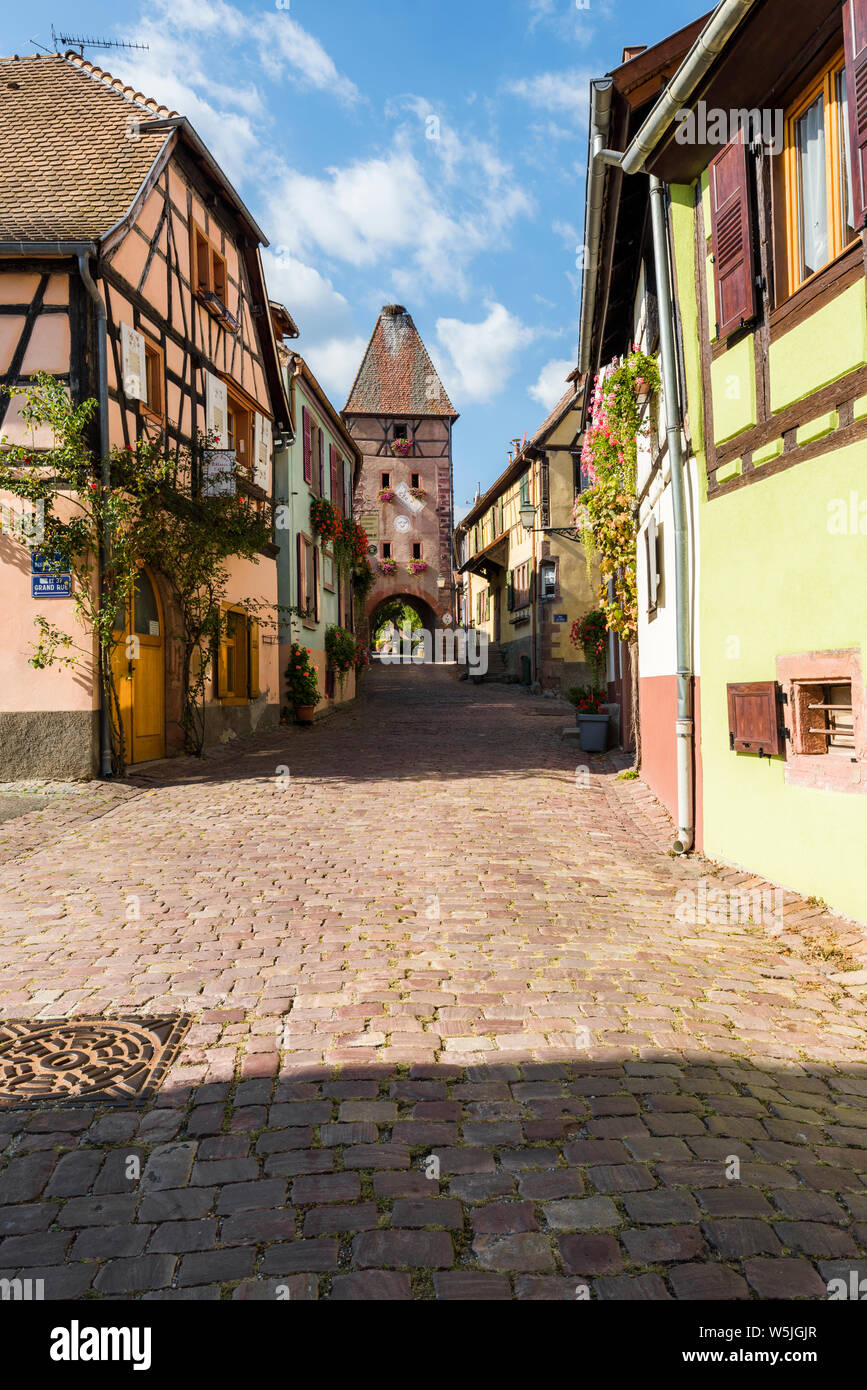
(140, 673)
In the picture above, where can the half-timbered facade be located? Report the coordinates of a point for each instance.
(130, 269)
(401, 418)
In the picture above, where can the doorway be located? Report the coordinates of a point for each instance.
(139, 665)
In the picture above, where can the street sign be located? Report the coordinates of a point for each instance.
(46, 582)
(561, 618)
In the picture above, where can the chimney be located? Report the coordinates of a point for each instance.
(630, 53)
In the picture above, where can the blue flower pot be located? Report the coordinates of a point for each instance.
(593, 732)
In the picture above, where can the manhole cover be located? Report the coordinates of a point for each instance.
(85, 1059)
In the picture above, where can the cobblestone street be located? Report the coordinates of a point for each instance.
(451, 1036)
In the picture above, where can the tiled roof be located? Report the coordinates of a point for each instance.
(71, 164)
(396, 376)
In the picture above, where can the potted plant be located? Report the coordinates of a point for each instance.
(418, 493)
(592, 722)
(417, 566)
(402, 448)
(302, 685)
(385, 494)
(387, 566)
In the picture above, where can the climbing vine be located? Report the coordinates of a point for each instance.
(606, 511)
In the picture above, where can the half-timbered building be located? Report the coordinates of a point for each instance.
(130, 270)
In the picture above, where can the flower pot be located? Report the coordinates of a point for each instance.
(593, 732)
(305, 714)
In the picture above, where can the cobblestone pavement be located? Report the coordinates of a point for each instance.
(455, 1033)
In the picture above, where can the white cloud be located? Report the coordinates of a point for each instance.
(386, 208)
(481, 356)
(563, 93)
(335, 364)
(551, 384)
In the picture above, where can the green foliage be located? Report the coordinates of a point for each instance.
(591, 634)
(586, 699)
(302, 686)
(340, 648)
(607, 510)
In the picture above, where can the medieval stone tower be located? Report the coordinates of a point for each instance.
(400, 416)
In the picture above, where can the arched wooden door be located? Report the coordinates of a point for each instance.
(139, 662)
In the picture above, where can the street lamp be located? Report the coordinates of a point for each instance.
(528, 516)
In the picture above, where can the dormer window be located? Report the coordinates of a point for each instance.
(400, 432)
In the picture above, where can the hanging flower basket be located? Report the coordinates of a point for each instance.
(385, 494)
(387, 566)
(418, 493)
(417, 566)
(401, 447)
(325, 520)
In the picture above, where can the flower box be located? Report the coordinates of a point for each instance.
(387, 566)
(385, 494)
(417, 566)
(402, 448)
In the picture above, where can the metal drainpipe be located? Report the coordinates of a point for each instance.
(106, 752)
(685, 726)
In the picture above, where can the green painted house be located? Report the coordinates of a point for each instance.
(757, 151)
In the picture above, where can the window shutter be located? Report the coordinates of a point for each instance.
(532, 586)
(133, 364)
(302, 600)
(308, 445)
(754, 718)
(253, 658)
(510, 589)
(732, 237)
(650, 536)
(334, 465)
(316, 582)
(221, 677)
(262, 452)
(347, 490)
(855, 43)
(216, 408)
(321, 438)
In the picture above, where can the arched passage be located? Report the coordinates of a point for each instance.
(396, 610)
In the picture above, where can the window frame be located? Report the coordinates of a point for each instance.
(824, 84)
(242, 691)
(154, 377)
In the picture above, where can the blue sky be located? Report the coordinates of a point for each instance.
(426, 152)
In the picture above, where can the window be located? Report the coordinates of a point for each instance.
(218, 275)
(525, 490)
(825, 712)
(239, 431)
(386, 480)
(415, 480)
(237, 666)
(825, 718)
(201, 260)
(819, 208)
(400, 432)
(308, 579)
(416, 550)
(519, 586)
(548, 578)
(386, 550)
(153, 378)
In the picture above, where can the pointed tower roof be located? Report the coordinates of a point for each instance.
(396, 376)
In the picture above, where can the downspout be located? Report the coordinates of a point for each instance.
(106, 752)
(685, 726)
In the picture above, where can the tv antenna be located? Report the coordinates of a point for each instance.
(82, 41)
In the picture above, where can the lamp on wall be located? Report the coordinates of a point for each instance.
(528, 516)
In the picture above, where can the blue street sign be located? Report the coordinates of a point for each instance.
(560, 618)
(45, 582)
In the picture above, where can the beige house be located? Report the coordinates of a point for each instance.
(524, 575)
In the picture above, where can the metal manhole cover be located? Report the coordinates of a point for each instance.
(85, 1059)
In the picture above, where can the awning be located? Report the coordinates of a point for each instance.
(490, 562)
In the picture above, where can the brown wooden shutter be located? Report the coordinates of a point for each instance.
(753, 718)
(855, 43)
(253, 658)
(220, 663)
(302, 601)
(316, 583)
(321, 449)
(732, 237)
(308, 445)
(333, 475)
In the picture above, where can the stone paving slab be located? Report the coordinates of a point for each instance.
(451, 1037)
